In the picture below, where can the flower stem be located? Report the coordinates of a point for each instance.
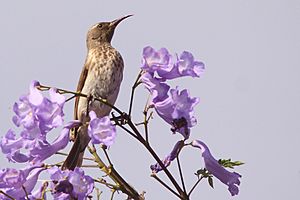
(78, 94)
(165, 185)
(157, 159)
(180, 173)
(195, 185)
(115, 176)
(136, 83)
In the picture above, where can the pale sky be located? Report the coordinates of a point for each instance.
(249, 95)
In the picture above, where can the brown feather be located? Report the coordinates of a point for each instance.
(80, 85)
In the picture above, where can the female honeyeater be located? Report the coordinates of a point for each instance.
(100, 77)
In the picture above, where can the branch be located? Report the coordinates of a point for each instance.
(155, 156)
(115, 176)
(78, 94)
(165, 185)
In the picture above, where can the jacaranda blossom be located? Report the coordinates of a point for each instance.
(169, 158)
(231, 179)
(156, 61)
(178, 110)
(170, 67)
(43, 150)
(37, 114)
(34, 150)
(175, 107)
(13, 181)
(70, 184)
(101, 130)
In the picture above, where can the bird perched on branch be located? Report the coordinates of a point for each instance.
(100, 77)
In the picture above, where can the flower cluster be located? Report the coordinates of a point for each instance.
(37, 115)
(174, 106)
(177, 107)
(19, 183)
(70, 184)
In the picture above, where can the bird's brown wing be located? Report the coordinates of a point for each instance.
(80, 85)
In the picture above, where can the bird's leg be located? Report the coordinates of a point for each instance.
(122, 119)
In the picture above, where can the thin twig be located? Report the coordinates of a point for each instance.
(155, 156)
(107, 157)
(127, 130)
(109, 185)
(8, 196)
(90, 166)
(114, 175)
(112, 194)
(136, 83)
(165, 185)
(65, 154)
(98, 192)
(70, 98)
(26, 193)
(195, 185)
(180, 173)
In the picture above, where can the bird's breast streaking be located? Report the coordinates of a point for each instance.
(107, 66)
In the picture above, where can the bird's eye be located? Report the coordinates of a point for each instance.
(100, 25)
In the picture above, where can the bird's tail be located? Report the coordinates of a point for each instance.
(75, 157)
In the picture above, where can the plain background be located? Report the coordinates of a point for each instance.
(249, 108)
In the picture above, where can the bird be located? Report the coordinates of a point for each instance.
(100, 77)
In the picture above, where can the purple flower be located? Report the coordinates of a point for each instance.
(175, 108)
(82, 185)
(178, 110)
(13, 181)
(101, 130)
(169, 67)
(157, 88)
(34, 150)
(231, 179)
(169, 158)
(43, 150)
(37, 114)
(11, 146)
(70, 184)
(159, 61)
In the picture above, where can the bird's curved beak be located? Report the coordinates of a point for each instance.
(117, 21)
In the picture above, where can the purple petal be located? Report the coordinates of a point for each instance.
(101, 130)
(169, 158)
(55, 97)
(157, 88)
(31, 175)
(187, 66)
(178, 106)
(156, 60)
(83, 185)
(43, 150)
(35, 97)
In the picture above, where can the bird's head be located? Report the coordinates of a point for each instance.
(102, 32)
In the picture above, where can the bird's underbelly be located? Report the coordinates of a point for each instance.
(104, 83)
